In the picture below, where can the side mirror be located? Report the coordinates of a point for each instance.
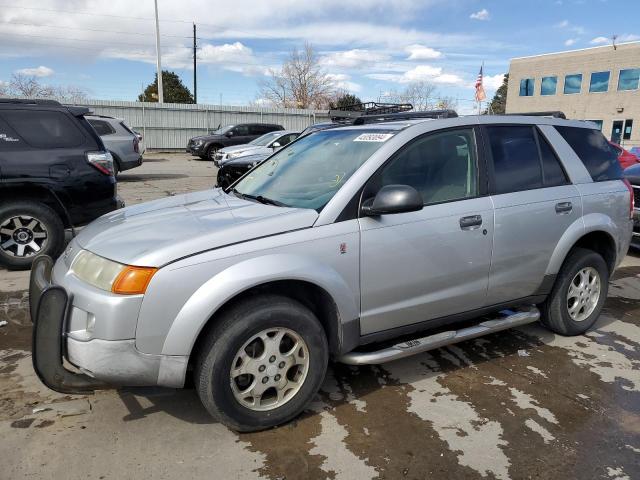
(393, 199)
(275, 145)
(229, 134)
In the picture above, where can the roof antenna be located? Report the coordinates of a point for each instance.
(614, 38)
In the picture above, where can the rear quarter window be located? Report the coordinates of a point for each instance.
(102, 128)
(45, 128)
(597, 155)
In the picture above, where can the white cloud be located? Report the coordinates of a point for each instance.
(562, 24)
(40, 71)
(571, 41)
(343, 82)
(567, 25)
(481, 15)
(418, 74)
(356, 58)
(420, 52)
(600, 41)
(493, 82)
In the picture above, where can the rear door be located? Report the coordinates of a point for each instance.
(432, 263)
(534, 205)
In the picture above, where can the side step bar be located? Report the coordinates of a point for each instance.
(507, 319)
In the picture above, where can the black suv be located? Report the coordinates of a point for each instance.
(206, 146)
(54, 174)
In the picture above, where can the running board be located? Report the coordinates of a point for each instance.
(508, 319)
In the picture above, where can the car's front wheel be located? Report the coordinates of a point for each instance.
(578, 295)
(262, 363)
(211, 152)
(28, 229)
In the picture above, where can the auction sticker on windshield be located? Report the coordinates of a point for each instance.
(373, 137)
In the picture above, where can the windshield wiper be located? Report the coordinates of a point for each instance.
(259, 198)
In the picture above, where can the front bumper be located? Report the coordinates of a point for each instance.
(195, 150)
(100, 362)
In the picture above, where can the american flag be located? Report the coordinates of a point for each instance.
(480, 95)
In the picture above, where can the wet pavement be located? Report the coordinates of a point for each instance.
(518, 404)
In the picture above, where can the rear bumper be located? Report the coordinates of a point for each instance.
(129, 164)
(101, 363)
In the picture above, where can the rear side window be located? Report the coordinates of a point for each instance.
(102, 128)
(553, 174)
(600, 158)
(516, 162)
(45, 129)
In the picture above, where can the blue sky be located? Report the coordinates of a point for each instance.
(370, 47)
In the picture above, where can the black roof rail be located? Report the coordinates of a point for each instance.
(356, 110)
(393, 117)
(552, 114)
(30, 101)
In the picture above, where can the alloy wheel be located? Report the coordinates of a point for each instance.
(583, 294)
(22, 236)
(269, 369)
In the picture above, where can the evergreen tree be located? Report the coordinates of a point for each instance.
(498, 104)
(173, 88)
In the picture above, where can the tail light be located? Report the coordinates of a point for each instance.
(632, 202)
(136, 144)
(103, 161)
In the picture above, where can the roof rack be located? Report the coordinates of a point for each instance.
(357, 110)
(552, 114)
(30, 101)
(394, 117)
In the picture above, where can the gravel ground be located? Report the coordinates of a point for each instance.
(518, 404)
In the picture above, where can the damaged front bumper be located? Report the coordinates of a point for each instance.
(101, 362)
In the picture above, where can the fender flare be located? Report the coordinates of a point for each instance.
(592, 222)
(238, 278)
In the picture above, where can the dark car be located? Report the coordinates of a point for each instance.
(632, 174)
(55, 173)
(232, 170)
(206, 146)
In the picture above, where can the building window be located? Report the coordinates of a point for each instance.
(572, 84)
(628, 126)
(629, 79)
(597, 122)
(599, 82)
(526, 87)
(549, 86)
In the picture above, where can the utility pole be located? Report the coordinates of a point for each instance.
(195, 74)
(159, 65)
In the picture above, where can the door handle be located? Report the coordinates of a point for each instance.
(471, 222)
(564, 208)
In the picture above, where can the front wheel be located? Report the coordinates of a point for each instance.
(262, 363)
(211, 152)
(578, 295)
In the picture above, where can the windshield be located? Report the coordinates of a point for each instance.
(223, 130)
(309, 172)
(264, 140)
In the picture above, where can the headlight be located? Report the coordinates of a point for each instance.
(198, 142)
(111, 276)
(233, 154)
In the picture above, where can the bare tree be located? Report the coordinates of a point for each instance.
(420, 94)
(30, 87)
(70, 94)
(4, 88)
(447, 103)
(299, 83)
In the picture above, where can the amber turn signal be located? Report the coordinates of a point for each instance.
(133, 280)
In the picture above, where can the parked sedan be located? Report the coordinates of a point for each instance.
(264, 145)
(122, 142)
(235, 168)
(625, 157)
(632, 174)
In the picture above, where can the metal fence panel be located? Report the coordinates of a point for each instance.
(170, 126)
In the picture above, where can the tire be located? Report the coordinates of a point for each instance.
(17, 232)
(211, 152)
(555, 310)
(228, 340)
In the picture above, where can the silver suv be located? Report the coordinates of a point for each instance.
(343, 240)
(122, 142)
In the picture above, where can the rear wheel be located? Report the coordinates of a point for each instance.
(28, 229)
(262, 363)
(578, 295)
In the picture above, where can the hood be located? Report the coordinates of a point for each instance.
(247, 159)
(156, 233)
(206, 137)
(237, 148)
(633, 174)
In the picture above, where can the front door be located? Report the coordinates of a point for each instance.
(435, 262)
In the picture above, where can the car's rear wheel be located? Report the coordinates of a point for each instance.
(578, 295)
(28, 229)
(262, 363)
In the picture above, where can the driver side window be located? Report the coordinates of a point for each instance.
(241, 130)
(441, 166)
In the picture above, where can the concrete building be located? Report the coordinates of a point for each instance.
(601, 84)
